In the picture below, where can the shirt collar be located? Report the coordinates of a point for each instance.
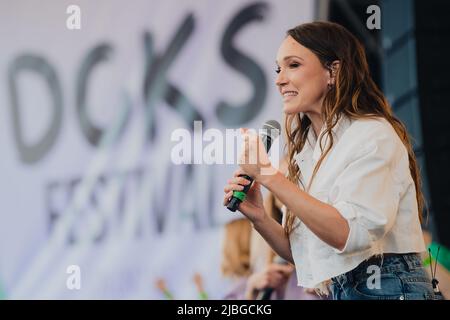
(312, 149)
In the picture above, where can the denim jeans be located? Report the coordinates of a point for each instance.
(386, 277)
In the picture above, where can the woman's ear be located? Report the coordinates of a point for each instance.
(334, 68)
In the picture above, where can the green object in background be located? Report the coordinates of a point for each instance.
(168, 295)
(426, 262)
(444, 255)
(203, 296)
(2, 293)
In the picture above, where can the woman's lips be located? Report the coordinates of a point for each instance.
(288, 95)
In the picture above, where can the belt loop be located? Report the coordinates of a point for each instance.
(407, 257)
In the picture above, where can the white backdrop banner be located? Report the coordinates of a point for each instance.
(95, 96)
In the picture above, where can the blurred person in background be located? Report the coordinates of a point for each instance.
(198, 281)
(161, 285)
(235, 264)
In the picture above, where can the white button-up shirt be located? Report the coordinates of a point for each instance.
(366, 177)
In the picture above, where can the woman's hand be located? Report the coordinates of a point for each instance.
(252, 207)
(274, 276)
(254, 159)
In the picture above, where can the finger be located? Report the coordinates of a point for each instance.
(256, 186)
(239, 180)
(233, 187)
(310, 290)
(227, 198)
(228, 195)
(274, 282)
(281, 268)
(276, 278)
(239, 172)
(275, 273)
(246, 150)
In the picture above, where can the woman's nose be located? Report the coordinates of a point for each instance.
(280, 79)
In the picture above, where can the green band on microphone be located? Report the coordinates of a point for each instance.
(239, 194)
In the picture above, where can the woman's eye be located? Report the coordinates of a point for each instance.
(294, 65)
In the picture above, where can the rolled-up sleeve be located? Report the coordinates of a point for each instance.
(367, 193)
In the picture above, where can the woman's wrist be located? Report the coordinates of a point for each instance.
(259, 221)
(267, 176)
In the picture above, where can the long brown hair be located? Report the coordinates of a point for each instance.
(354, 95)
(236, 248)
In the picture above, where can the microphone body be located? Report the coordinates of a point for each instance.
(239, 196)
(271, 130)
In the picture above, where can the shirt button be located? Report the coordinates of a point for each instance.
(402, 298)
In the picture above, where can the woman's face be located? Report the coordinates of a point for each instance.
(302, 80)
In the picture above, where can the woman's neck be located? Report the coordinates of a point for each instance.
(316, 122)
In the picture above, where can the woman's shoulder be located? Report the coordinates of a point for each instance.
(368, 134)
(372, 126)
(373, 130)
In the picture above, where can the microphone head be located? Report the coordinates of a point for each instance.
(273, 128)
(270, 131)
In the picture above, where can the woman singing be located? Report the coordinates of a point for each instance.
(352, 192)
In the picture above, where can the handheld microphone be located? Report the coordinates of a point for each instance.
(270, 131)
